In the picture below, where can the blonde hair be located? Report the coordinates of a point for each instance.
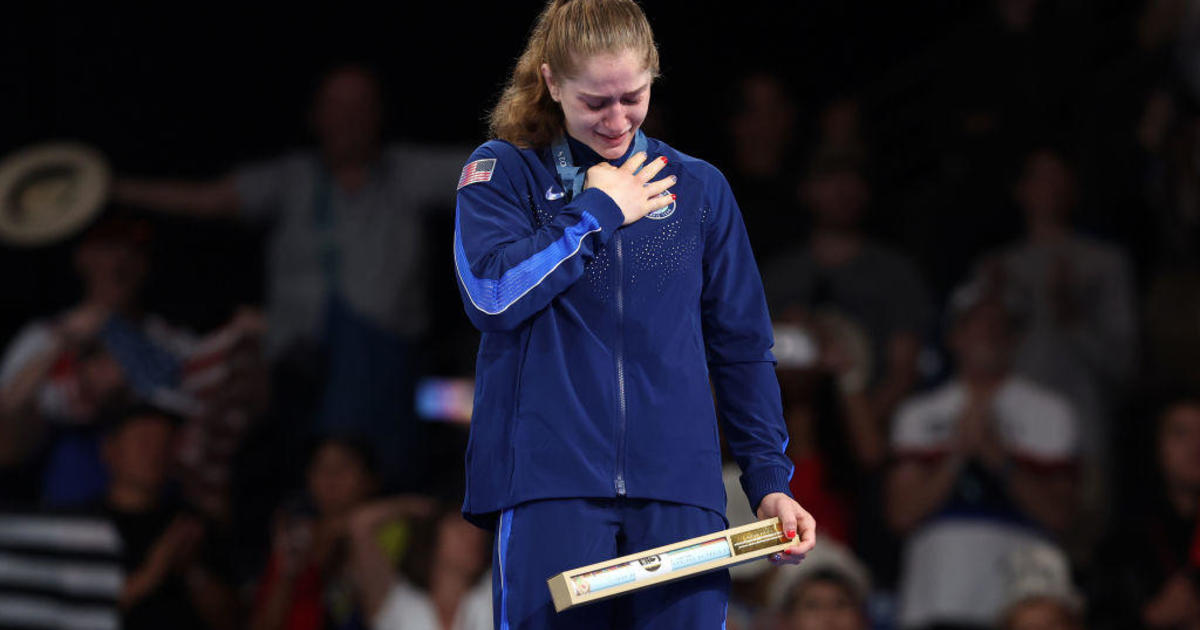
(567, 32)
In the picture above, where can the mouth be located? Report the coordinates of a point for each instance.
(612, 140)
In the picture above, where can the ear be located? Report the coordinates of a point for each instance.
(548, 77)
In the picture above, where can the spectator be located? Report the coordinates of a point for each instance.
(443, 584)
(1172, 340)
(346, 269)
(306, 584)
(1167, 134)
(824, 601)
(1153, 585)
(828, 592)
(984, 467)
(841, 269)
(58, 371)
(1041, 595)
(175, 572)
(763, 169)
(834, 441)
(841, 130)
(1075, 297)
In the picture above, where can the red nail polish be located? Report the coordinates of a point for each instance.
(672, 197)
(791, 533)
(664, 159)
(788, 551)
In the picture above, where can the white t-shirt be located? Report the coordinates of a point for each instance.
(375, 233)
(1034, 422)
(953, 569)
(410, 608)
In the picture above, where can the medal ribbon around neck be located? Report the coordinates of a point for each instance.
(572, 176)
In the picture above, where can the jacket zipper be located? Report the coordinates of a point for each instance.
(619, 481)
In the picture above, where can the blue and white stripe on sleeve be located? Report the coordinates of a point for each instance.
(494, 296)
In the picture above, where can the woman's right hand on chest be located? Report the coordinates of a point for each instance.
(631, 189)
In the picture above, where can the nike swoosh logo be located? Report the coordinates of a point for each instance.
(551, 195)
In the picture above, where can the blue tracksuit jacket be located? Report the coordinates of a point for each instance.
(600, 341)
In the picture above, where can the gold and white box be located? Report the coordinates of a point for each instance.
(685, 558)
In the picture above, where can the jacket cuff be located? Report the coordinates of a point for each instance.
(607, 213)
(764, 482)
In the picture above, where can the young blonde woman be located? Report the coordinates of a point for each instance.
(613, 281)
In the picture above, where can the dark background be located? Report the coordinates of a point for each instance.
(192, 89)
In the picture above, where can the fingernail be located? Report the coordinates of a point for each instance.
(673, 179)
(791, 533)
(664, 159)
(788, 551)
(672, 197)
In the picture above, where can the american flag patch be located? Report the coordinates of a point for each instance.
(477, 171)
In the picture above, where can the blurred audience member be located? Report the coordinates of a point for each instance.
(824, 601)
(443, 582)
(1173, 27)
(828, 591)
(764, 165)
(58, 371)
(1168, 135)
(842, 269)
(346, 259)
(1187, 49)
(1075, 298)
(175, 571)
(1040, 593)
(306, 584)
(841, 130)
(834, 441)
(1172, 337)
(1145, 576)
(985, 466)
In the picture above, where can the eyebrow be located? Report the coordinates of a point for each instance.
(605, 98)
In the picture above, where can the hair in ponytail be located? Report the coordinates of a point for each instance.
(566, 33)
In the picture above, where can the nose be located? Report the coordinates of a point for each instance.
(615, 117)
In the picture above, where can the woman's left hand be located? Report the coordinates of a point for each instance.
(797, 523)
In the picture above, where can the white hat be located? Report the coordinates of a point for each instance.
(49, 191)
(1040, 571)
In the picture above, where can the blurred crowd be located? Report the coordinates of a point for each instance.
(987, 321)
